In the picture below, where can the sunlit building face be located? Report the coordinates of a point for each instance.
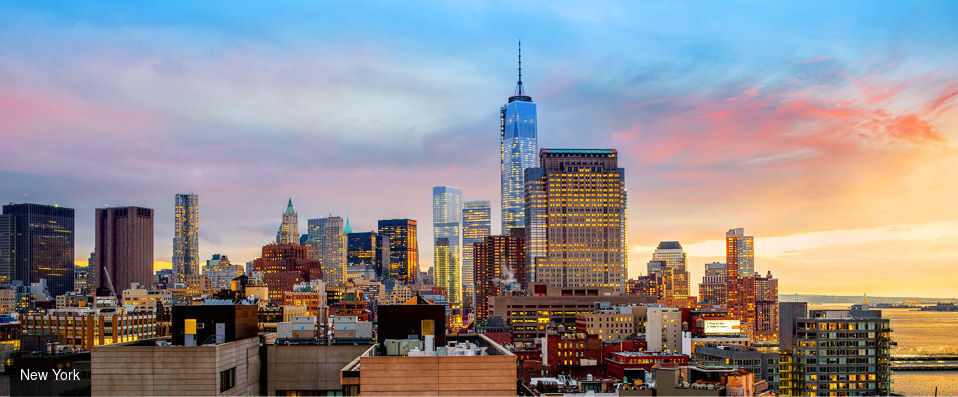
(186, 235)
(447, 228)
(579, 207)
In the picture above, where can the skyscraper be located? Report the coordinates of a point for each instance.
(499, 268)
(399, 250)
(674, 274)
(712, 290)
(476, 226)
(739, 253)
(446, 231)
(582, 195)
(751, 299)
(186, 223)
(124, 248)
(518, 143)
(332, 247)
(361, 249)
(288, 232)
(36, 242)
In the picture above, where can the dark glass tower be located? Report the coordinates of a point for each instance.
(37, 243)
(518, 148)
(399, 250)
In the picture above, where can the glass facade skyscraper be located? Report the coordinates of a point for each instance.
(398, 246)
(476, 225)
(186, 260)
(518, 148)
(446, 228)
(36, 242)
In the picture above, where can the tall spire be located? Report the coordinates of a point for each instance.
(289, 206)
(519, 90)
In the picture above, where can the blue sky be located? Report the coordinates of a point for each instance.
(825, 129)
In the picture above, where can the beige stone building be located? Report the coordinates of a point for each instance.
(376, 374)
(307, 369)
(146, 369)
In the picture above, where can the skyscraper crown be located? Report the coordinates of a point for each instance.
(520, 94)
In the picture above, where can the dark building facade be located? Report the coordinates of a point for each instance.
(124, 247)
(361, 249)
(402, 262)
(499, 267)
(36, 242)
(401, 321)
(239, 322)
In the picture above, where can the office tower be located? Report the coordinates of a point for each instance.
(7, 251)
(36, 242)
(361, 249)
(81, 279)
(313, 249)
(398, 238)
(583, 196)
(499, 268)
(446, 231)
(739, 253)
(674, 271)
(476, 226)
(124, 248)
(535, 218)
(288, 232)
(517, 152)
(712, 289)
(186, 226)
(220, 271)
(284, 266)
(332, 247)
(835, 351)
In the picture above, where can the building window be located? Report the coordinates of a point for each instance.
(227, 379)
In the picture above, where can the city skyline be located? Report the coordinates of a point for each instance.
(834, 148)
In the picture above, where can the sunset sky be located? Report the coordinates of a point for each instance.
(828, 131)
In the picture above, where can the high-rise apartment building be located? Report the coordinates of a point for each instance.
(499, 268)
(447, 234)
(476, 226)
(582, 193)
(288, 232)
(36, 242)
(518, 144)
(332, 247)
(398, 250)
(186, 226)
(712, 290)
(124, 248)
(835, 352)
(750, 298)
(739, 253)
(673, 272)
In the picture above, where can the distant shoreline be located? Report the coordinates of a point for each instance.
(851, 300)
